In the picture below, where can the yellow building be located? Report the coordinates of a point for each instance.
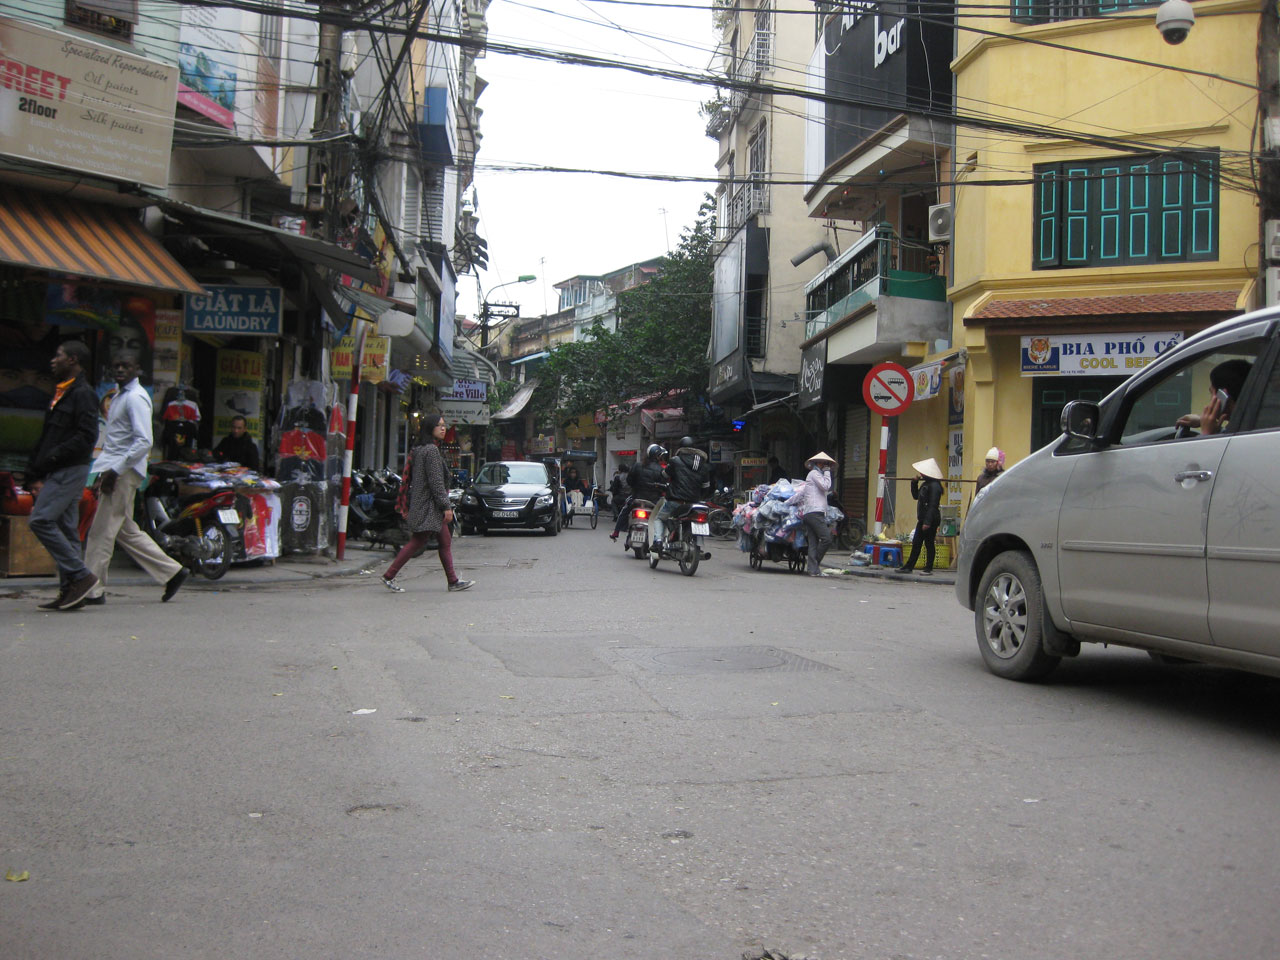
(1122, 220)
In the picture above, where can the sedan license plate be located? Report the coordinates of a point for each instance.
(701, 530)
(228, 516)
(506, 514)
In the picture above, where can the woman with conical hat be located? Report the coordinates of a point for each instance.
(926, 490)
(811, 498)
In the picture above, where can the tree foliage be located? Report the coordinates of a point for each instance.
(660, 345)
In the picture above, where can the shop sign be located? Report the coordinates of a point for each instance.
(542, 445)
(77, 104)
(1111, 354)
(721, 452)
(813, 368)
(625, 454)
(469, 390)
(955, 463)
(235, 311)
(754, 462)
(237, 392)
(463, 412)
(373, 364)
(888, 389)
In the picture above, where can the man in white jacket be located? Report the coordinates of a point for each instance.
(121, 468)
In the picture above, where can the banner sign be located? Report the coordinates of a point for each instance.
(237, 392)
(1109, 354)
(463, 412)
(373, 365)
(813, 368)
(928, 379)
(235, 311)
(77, 104)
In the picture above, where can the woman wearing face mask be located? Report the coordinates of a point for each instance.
(926, 489)
(812, 501)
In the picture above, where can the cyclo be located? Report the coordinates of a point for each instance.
(584, 502)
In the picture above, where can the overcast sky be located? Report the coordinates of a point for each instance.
(560, 225)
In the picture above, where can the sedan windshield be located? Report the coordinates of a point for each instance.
(512, 473)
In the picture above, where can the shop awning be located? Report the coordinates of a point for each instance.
(375, 305)
(470, 365)
(1100, 309)
(259, 244)
(927, 376)
(649, 419)
(85, 240)
(786, 401)
(532, 356)
(518, 402)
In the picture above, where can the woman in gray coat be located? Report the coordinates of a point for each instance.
(430, 511)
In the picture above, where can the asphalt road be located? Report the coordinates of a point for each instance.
(582, 758)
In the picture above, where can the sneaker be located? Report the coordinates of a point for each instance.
(461, 585)
(903, 570)
(613, 536)
(392, 585)
(95, 601)
(175, 583)
(76, 591)
(926, 573)
(56, 602)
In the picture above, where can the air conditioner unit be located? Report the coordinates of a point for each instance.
(1271, 240)
(941, 223)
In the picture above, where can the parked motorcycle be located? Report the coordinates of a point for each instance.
(682, 538)
(720, 517)
(371, 514)
(201, 531)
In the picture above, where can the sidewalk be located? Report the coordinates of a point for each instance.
(295, 568)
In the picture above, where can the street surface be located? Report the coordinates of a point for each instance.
(582, 759)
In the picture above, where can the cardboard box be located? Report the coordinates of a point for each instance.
(21, 554)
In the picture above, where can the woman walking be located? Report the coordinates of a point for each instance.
(430, 512)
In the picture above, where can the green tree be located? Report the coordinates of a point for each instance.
(660, 345)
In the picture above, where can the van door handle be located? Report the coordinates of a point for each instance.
(1193, 475)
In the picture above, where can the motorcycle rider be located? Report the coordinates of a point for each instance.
(646, 481)
(689, 472)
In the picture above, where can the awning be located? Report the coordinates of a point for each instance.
(372, 303)
(649, 419)
(518, 402)
(470, 365)
(1097, 308)
(772, 405)
(253, 243)
(85, 240)
(532, 356)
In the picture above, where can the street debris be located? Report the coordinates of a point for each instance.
(363, 710)
(17, 877)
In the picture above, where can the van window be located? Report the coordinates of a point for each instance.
(1152, 414)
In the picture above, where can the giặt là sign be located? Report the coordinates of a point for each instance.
(235, 311)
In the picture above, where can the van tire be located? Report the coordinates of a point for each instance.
(1009, 619)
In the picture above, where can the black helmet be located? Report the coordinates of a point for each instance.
(656, 451)
(686, 441)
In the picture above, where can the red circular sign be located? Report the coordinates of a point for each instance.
(888, 389)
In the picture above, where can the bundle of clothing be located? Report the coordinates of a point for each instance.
(769, 511)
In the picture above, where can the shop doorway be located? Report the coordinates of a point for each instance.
(1050, 394)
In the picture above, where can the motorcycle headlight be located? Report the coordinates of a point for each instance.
(470, 499)
(545, 500)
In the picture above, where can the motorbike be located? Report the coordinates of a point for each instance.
(720, 518)
(681, 541)
(371, 514)
(201, 531)
(637, 538)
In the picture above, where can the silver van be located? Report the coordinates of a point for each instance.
(1152, 522)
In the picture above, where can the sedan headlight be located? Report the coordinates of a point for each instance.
(545, 500)
(470, 499)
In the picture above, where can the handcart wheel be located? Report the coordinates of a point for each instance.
(595, 513)
(754, 560)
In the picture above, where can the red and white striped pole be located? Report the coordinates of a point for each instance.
(353, 401)
(884, 460)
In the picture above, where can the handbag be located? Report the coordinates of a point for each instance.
(406, 480)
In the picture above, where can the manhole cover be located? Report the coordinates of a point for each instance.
(695, 660)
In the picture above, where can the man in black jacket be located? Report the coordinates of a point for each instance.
(59, 468)
(690, 474)
(237, 446)
(646, 480)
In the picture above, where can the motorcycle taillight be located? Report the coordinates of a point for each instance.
(642, 514)
(699, 518)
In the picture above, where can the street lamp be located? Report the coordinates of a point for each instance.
(484, 306)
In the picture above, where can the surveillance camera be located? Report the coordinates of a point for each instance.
(1174, 20)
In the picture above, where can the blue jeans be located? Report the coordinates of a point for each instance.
(55, 520)
(663, 510)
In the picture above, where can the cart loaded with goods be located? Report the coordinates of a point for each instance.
(770, 529)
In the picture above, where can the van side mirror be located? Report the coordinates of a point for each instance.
(1080, 419)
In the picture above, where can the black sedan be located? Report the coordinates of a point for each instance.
(510, 495)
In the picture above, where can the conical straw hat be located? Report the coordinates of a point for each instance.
(928, 467)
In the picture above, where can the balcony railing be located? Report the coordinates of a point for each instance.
(746, 201)
(879, 264)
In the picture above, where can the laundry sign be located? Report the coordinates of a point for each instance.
(235, 311)
(1110, 354)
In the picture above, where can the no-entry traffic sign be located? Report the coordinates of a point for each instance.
(888, 389)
